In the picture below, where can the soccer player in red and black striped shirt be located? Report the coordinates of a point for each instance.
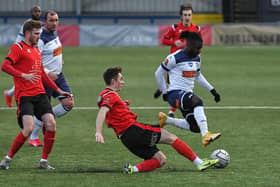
(24, 63)
(139, 138)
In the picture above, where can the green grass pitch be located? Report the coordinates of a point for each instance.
(244, 76)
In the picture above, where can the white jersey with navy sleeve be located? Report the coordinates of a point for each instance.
(51, 51)
(20, 35)
(183, 71)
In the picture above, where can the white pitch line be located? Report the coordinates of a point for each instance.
(162, 107)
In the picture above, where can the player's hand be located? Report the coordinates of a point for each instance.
(157, 93)
(217, 96)
(127, 102)
(164, 97)
(32, 77)
(99, 137)
(53, 75)
(179, 43)
(67, 94)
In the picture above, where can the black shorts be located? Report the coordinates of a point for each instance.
(142, 141)
(33, 105)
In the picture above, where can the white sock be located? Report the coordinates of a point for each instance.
(59, 110)
(180, 123)
(197, 161)
(37, 127)
(11, 91)
(135, 169)
(201, 119)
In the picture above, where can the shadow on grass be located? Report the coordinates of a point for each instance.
(102, 170)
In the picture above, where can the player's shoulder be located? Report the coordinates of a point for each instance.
(47, 36)
(18, 46)
(181, 56)
(176, 25)
(197, 28)
(107, 92)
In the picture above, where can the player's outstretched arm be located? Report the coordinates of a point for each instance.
(99, 124)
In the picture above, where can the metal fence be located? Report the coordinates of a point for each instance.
(112, 6)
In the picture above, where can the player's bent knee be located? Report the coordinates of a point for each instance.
(167, 137)
(196, 101)
(49, 122)
(193, 124)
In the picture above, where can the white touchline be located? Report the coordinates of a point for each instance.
(163, 107)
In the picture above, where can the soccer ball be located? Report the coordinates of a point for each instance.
(223, 157)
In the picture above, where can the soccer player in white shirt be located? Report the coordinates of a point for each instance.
(51, 51)
(183, 68)
(35, 15)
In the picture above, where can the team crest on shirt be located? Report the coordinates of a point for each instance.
(166, 62)
(107, 100)
(28, 50)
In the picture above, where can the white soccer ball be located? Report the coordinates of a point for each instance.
(223, 157)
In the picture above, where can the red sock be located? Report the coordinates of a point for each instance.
(148, 165)
(182, 148)
(49, 139)
(18, 142)
(173, 109)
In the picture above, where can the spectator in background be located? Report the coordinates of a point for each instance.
(172, 38)
(35, 15)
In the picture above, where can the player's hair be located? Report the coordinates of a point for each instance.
(194, 43)
(111, 73)
(30, 25)
(185, 7)
(35, 7)
(49, 12)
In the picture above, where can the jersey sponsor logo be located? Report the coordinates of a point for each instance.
(188, 74)
(57, 51)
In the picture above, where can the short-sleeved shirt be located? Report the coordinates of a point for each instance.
(26, 59)
(182, 70)
(119, 116)
(175, 31)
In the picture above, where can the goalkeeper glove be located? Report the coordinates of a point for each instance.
(217, 96)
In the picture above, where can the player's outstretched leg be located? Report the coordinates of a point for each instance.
(207, 163)
(5, 163)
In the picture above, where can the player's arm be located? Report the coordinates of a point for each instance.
(46, 79)
(9, 68)
(160, 77)
(201, 80)
(99, 123)
(168, 37)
